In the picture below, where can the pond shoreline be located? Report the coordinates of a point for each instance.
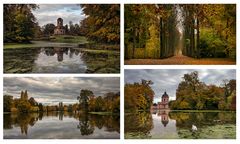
(204, 111)
(60, 125)
(211, 124)
(40, 44)
(61, 60)
(79, 112)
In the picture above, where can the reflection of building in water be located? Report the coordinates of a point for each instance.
(60, 52)
(163, 108)
(164, 117)
(164, 103)
(59, 30)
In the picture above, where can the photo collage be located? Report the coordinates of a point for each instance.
(119, 72)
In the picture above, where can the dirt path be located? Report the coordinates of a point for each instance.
(181, 60)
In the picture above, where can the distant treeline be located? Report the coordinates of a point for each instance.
(110, 102)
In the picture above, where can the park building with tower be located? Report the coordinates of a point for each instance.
(59, 29)
(164, 103)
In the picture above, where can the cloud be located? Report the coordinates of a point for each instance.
(168, 79)
(51, 90)
(48, 13)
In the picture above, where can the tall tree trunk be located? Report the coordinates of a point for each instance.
(198, 38)
(227, 25)
(161, 37)
(126, 51)
(134, 41)
(193, 37)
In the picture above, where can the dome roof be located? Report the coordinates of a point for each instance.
(164, 122)
(165, 94)
(59, 19)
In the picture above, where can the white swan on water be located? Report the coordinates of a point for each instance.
(194, 128)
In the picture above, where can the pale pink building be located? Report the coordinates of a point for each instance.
(164, 103)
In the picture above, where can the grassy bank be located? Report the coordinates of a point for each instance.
(18, 45)
(104, 113)
(59, 41)
(38, 44)
(200, 111)
(69, 39)
(98, 51)
(186, 111)
(53, 41)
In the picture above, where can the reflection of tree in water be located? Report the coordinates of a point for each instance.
(87, 122)
(40, 116)
(201, 119)
(7, 121)
(84, 125)
(110, 122)
(21, 120)
(60, 117)
(98, 121)
(140, 123)
(23, 60)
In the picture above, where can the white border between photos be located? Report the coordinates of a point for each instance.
(122, 140)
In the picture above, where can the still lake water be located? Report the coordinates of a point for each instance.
(61, 126)
(60, 60)
(178, 124)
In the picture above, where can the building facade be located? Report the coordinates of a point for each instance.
(59, 29)
(164, 103)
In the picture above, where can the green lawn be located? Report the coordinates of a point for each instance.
(69, 39)
(38, 44)
(55, 41)
(18, 45)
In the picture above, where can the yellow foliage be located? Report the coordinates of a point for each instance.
(153, 44)
(139, 53)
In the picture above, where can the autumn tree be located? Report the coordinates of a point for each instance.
(102, 22)
(19, 22)
(48, 29)
(99, 105)
(138, 96)
(84, 98)
(7, 103)
(23, 106)
(150, 30)
(215, 27)
(194, 94)
(92, 104)
(32, 101)
(204, 30)
(40, 106)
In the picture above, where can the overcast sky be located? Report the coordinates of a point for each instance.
(49, 13)
(51, 90)
(169, 79)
